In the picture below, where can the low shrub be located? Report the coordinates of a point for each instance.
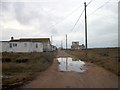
(24, 63)
(21, 60)
(6, 60)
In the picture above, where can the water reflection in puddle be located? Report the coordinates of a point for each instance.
(70, 64)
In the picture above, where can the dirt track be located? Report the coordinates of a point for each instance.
(93, 77)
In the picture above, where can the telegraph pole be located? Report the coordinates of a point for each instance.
(85, 27)
(66, 41)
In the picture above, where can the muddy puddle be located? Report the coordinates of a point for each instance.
(71, 64)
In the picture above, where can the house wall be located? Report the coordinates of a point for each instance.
(22, 47)
(0, 46)
(75, 43)
(82, 47)
(36, 47)
(19, 46)
(47, 46)
(75, 46)
(4, 46)
(53, 48)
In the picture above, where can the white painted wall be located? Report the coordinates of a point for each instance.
(0, 46)
(49, 47)
(5, 46)
(37, 47)
(22, 47)
(46, 46)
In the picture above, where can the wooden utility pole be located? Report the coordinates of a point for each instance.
(66, 41)
(85, 27)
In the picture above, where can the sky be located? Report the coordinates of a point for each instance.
(56, 18)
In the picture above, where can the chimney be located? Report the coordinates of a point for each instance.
(12, 38)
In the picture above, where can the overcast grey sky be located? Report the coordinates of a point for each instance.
(43, 18)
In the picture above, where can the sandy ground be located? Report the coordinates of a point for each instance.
(93, 77)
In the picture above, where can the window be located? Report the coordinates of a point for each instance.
(25, 44)
(36, 45)
(14, 44)
(10, 45)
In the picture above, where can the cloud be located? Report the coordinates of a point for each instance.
(38, 18)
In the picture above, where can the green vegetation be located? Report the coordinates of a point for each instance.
(22, 67)
(104, 57)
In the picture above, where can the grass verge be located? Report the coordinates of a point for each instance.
(18, 68)
(107, 58)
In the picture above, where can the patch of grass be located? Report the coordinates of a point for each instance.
(6, 60)
(22, 66)
(104, 57)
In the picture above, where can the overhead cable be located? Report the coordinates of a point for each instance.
(99, 7)
(77, 20)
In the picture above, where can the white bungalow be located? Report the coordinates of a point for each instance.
(26, 45)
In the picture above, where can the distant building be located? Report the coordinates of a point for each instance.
(54, 48)
(75, 45)
(26, 45)
(82, 46)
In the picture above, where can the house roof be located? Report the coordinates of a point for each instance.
(15, 40)
(30, 39)
(4, 41)
(38, 39)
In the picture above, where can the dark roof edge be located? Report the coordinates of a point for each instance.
(4, 41)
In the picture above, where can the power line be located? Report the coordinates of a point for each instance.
(80, 24)
(99, 7)
(66, 16)
(89, 2)
(95, 10)
(80, 17)
(77, 21)
(70, 13)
